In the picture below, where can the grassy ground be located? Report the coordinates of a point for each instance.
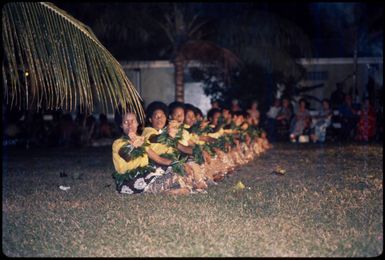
(329, 203)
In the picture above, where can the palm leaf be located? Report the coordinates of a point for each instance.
(67, 65)
(208, 53)
(301, 88)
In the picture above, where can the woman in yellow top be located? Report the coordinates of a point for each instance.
(133, 171)
(167, 142)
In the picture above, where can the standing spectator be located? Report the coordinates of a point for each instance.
(254, 113)
(271, 119)
(301, 121)
(321, 122)
(337, 97)
(366, 128)
(349, 118)
(283, 119)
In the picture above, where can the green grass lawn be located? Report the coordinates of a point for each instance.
(329, 203)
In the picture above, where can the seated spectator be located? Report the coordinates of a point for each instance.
(283, 120)
(104, 129)
(271, 119)
(349, 118)
(366, 127)
(301, 121)
(254, 113)
(321, 122)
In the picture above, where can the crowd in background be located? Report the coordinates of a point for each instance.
(339, 119)
(55, 128)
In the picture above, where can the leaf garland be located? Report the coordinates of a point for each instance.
(177, 164)
(198, 154)
(221, 143)
(134, 152)
(166, 139)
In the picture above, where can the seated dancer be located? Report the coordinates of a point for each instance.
(203, 152)
(239, 136)
(166, 141)
(177, 114)
(132, 156)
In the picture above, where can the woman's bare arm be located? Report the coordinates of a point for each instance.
(155, 157)
(185, 149)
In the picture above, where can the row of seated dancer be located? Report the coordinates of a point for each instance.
(181, 152)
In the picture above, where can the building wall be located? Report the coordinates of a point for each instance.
(332, 71)
(155, 81)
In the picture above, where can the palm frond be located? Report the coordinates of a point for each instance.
(208, 53)
(302, 89)
(67, 65)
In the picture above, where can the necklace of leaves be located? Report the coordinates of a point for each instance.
(178, 161)
(254, 131)
(196, 128)
(166, 139)
(129, 150)
(176, 157)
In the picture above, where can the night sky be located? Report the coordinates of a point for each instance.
(326, 24)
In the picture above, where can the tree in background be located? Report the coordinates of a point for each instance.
(268, 47)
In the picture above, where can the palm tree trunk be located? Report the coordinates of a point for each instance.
(179, 78)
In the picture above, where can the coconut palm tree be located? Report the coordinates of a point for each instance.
(185, 34)
(52, 60)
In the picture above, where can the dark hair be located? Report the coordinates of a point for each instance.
(198, 112)
(211, 113)
(189, 107)
(226, 107)
(152, 107)
(239, 113)
(174, 105)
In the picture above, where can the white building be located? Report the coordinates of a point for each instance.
(154, 80)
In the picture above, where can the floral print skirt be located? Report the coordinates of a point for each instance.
(153, 182)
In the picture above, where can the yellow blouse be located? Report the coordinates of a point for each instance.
(121, 166)
(158, 148)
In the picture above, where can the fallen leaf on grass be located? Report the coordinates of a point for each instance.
(279, 170)
(239, 186)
